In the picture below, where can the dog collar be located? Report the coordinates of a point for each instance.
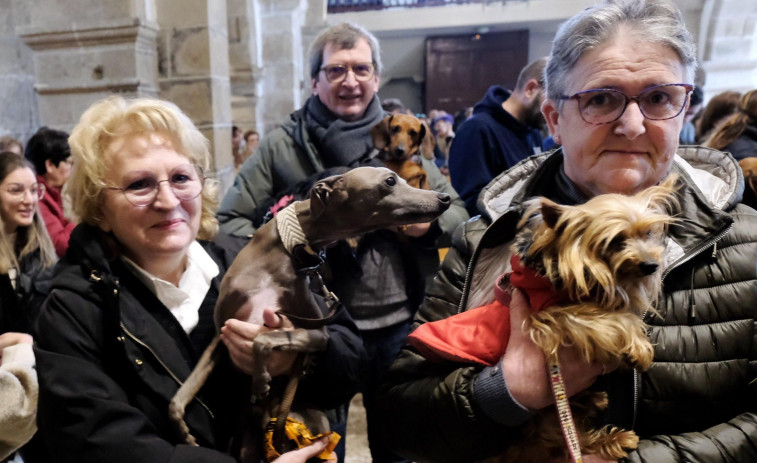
(293, 237)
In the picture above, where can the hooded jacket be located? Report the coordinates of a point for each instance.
(487, 144)
(110, 357)
(698, 400)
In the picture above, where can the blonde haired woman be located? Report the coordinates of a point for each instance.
(131, 308)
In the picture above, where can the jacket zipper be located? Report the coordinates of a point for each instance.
(168, 370)
(698, 250)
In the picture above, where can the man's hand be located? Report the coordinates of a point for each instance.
(238, 336)
(525, 367)
(415, 230)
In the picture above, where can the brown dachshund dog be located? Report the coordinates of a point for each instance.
(400, 139)
(749, 167)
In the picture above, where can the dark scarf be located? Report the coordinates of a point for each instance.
(339, 142)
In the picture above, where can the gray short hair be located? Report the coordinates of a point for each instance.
(344, 36)
(655, 21)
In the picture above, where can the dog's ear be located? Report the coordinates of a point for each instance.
(550, 212)
(427, 141)
(380, 133)
(319, 196)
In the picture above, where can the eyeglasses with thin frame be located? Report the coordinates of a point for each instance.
(186, 183)
(336, 73)
(606, 105)
(18, 192)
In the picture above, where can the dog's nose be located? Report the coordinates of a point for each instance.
(648, 268)
(444, 198)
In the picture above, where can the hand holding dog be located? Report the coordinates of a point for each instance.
(415, 230)
(238, 336)
(524, 365)
(306, 453)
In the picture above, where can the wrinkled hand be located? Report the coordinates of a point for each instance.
(305, 453)
(415, 230)
(524, 364)
(238, 336)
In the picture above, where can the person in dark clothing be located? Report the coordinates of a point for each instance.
(131, 306)
(381, 279)
(738, 133)
(504, 128)
(27, 254)
(618, 82)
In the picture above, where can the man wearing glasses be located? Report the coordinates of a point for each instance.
(381, 281)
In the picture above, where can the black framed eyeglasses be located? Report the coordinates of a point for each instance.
(336, 73)
(186, 182)
(605, 105)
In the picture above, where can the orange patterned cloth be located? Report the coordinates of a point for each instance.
(300, 436)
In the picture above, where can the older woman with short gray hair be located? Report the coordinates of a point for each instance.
(619, 80)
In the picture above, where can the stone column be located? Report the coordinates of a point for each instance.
(728, 45)
(88, 50)
(193, 49)
(18, 111)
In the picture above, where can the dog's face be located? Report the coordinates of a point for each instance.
(608, 250)
(400, 136)
(370, 198)
(749, 168)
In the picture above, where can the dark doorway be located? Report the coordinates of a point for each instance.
(460, 68)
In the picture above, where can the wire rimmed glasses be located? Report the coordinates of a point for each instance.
(605, 105)
(18, 191)
(336, 73)
(186, 182)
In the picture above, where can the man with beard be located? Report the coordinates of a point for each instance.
(504, 129)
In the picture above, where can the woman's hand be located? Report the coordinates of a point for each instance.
(238, 336)
(525, 366)
(305, 453)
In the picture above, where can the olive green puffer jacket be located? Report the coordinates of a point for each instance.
(695, 404)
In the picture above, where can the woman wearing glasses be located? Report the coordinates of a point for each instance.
(131, 308)
(26, 258)
(618, 82)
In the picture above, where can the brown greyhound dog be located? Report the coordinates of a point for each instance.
(265, 272)
(400, 139)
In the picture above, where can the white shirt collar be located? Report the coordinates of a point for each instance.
(183, 301)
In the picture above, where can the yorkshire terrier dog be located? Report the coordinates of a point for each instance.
(590, 273)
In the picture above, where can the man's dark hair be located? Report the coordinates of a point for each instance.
(534, 70)
(47, 144)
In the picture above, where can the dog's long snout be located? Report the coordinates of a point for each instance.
(648, 267)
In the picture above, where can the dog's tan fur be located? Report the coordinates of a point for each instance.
(606, 255)
(263, 275)
(400, 139)
(749, 168)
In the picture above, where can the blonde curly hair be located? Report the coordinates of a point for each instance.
(116, 117)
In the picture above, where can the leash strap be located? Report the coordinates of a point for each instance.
(567, 424)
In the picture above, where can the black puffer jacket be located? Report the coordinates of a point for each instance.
(697, 402)
(110, 356)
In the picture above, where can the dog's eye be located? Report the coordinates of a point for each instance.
(412, 133)
(391, 181)
(396, 129)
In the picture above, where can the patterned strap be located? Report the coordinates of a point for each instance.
(290, 230)
(563, 411)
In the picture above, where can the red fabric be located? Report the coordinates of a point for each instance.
(58, 226)
(480, 335)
